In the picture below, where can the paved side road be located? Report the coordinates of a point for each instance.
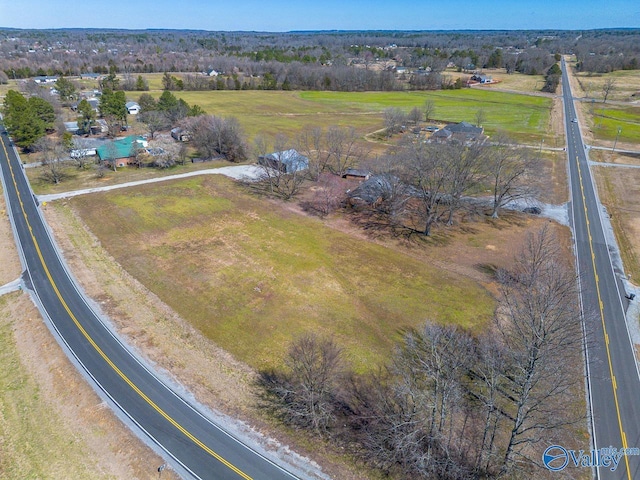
(238, 172)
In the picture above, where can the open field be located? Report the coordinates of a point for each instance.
(251, 276)
(621, 112)
(271, 112)
(607, 119)
(516, 82)
(627, 82)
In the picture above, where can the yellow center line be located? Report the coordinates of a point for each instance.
(604, 328)
(120, 373)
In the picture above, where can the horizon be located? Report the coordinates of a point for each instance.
(277, 16)
(387, 30)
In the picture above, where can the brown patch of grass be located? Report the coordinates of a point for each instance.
(52, 423)
(619, 191)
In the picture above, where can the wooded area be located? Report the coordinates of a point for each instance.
(450, 405)
(346, 61)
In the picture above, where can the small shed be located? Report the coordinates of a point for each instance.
(354, 173)
(180, 134)
(71, 127)
(132, 108)
(287, 161)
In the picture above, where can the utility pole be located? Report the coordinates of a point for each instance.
(616, 141)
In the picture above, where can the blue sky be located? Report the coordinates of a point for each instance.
(282, 15)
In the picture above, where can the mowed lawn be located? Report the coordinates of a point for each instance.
(251, 275)
(608, 119)
(525, 117)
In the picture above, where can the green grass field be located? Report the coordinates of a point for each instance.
(271, 112)
(251, 276)
(608, 119)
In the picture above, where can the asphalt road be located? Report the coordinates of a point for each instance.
(613, 375)
(194, 446)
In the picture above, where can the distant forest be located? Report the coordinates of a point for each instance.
(327, 60)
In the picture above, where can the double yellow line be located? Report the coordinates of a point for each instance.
(614, 384)
(115, 368)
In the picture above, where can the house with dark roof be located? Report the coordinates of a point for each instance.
(465, 132)
(94, 102)
(287, 161)
(462, 132)
(481, 78)
(442, 135)
(122, 151)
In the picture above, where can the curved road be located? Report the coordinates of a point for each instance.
(614, 380)
(195, 447)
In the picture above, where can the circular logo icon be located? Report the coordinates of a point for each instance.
(555, 458)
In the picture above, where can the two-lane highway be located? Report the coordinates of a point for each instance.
(613, 375)
(193, 444)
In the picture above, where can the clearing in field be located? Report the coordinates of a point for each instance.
(251, 275)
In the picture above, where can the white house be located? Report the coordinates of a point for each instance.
(133, 108)
(45, 79)
(213, 73)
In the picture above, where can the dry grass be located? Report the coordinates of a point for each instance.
(627, 83)
(467, 254)
(52, 425)
(515, 82)
(251, 276)
(619, 190)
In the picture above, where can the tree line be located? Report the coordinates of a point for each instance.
(450, 404)
(304, 58)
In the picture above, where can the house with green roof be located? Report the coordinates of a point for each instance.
(121, 150)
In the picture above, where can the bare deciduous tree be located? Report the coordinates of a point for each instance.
(82, 152)
(394, 119)
(213, 135)
(481, 117)
(311, 143)
(155, 121)
(429, 172)
(279, 179)
(539, 323)
(343, 149)
(508, 170)
(607, 88)
(53, 155)
(328, 193)
(415, 115)
(306, 394)
(428, 108)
